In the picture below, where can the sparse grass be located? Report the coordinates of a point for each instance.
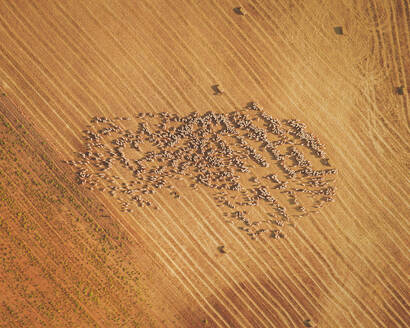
(26, 229)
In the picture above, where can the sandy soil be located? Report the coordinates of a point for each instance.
(71, 257)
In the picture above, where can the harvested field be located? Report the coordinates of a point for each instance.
(204, 164)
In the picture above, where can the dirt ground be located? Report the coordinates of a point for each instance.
(71, 258)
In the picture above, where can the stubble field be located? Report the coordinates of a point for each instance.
(87, 242)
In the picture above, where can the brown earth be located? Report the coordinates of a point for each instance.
(71, 258)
